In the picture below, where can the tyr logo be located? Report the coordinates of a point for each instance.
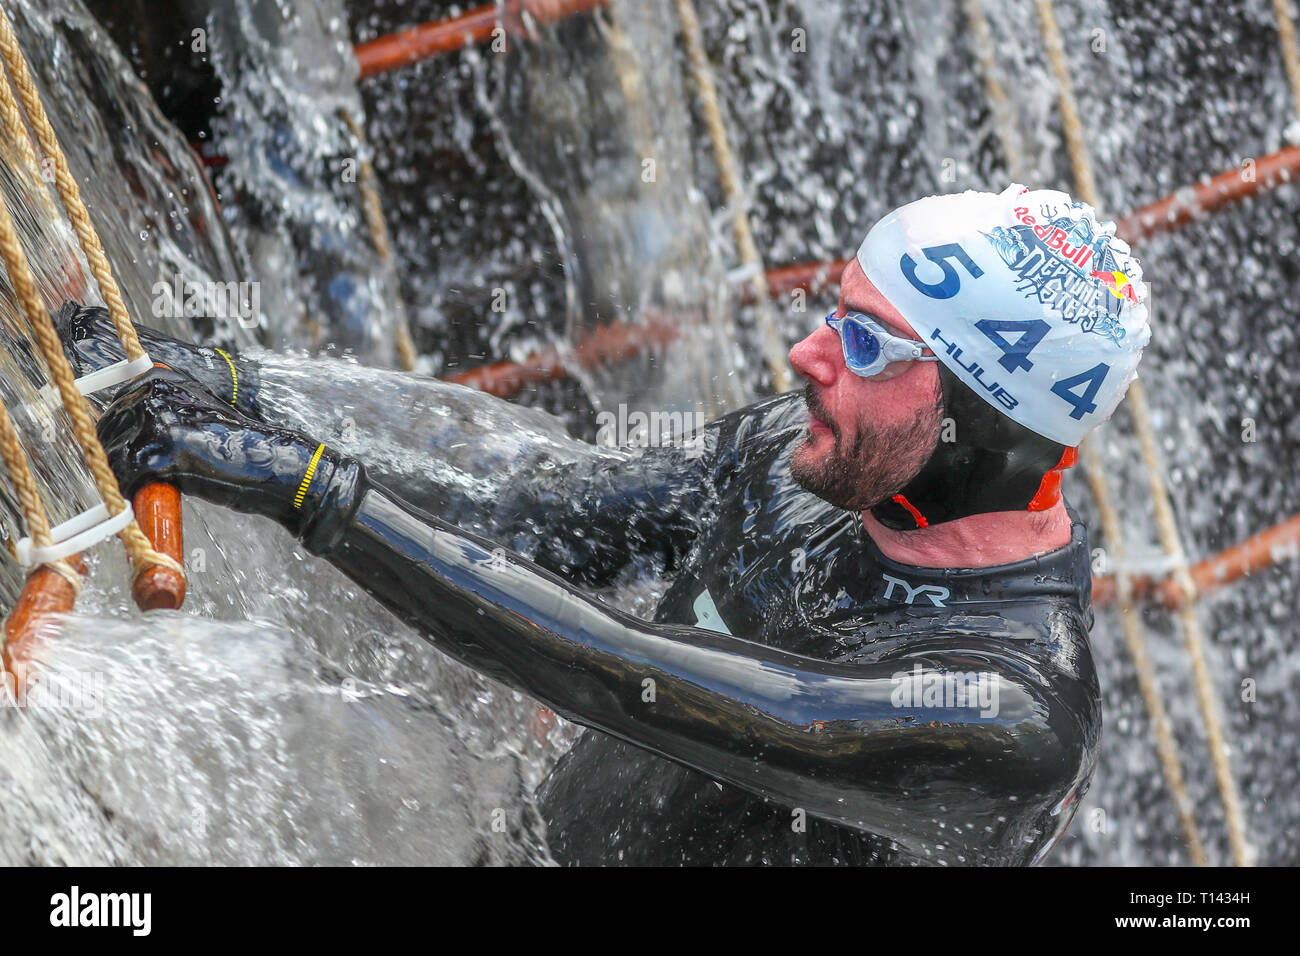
(934, 592)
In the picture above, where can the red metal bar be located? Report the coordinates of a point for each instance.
(1257, 552)
(620, 340)
(607, 345)
(506, 379)
(44, 593)
(427, 40)
(157, 508)
(812, 277)
(1165, 215)
(1210, 195)
(207, 157)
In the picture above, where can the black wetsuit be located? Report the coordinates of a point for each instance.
(806, 689)
(816, 702)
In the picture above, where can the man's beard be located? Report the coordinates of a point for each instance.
(880, 463)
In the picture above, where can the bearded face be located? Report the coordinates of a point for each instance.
(857, 460)
(868, 436)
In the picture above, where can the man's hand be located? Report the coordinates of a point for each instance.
(91, 343)
(167, 427)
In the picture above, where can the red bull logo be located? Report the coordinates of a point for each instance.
(1118, 283)
(1055, 238)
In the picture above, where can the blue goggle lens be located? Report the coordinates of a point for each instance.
(862, 347)
(861, 344)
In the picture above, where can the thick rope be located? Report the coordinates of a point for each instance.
(1075, 144)
(29, 499)
(1170, 538)
(1166, 745)
(68, 189)
(1130, 619)
(1290, 50)
(24, 482)
(719, 393)
(630, 81)
(1193, 636)
(1134, 635)
(38, 318)
(372, 208)
(17, 132)
(982, 42)
(35, 518)
(729, 176)
(24, 283)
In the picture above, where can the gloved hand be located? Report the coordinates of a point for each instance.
(167, 427)
(91, 343)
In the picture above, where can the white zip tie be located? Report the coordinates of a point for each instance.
(74, 535)
(114, 374)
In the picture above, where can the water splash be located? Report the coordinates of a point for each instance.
(882, 105)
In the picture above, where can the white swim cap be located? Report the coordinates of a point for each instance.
(1030, 301)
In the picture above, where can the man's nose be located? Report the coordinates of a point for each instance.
(818, 358)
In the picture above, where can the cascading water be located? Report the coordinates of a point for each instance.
(609, 154)
(172, 738)
(288, 78)
(840, 111)
(519, 172)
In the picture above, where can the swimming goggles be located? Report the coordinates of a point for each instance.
(868, 347)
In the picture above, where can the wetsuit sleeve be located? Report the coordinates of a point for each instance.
(511, 474)
(831, 738)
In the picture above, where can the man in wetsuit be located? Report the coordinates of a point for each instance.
(875, 645)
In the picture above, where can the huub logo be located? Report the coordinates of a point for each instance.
(134, 910)
(934, 592)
